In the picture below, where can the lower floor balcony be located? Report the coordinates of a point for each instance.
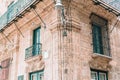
(33, 50)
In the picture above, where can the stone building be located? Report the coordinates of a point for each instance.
(59, 40)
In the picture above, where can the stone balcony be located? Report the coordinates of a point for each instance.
(100, 62)
(96, 56)
(33, 51)
(15, 10)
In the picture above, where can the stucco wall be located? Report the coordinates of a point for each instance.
(70, 57)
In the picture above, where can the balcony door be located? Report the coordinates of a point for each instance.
(36, 41)
(97, 39)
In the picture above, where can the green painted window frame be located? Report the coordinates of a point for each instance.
(21, 77)
(37, 74)
(98, 72)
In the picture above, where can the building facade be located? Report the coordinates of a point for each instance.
(59, 40)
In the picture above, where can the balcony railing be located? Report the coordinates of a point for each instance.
(15, 10)
(110, 5)
(33, 50)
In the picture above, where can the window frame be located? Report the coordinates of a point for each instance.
(105, 48)
(21, 76)
(36, 73)
(103, 22)
(99, 41)
(95, 73)
(99, 72)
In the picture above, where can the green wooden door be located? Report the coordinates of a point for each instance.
(97, 39)
(36, 41)
(36, 36)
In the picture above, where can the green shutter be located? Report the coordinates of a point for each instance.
(36, 36)
(36, 41)
(97, 39)
(21, 77)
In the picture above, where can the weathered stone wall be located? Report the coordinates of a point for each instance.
(70, 57)
(49, 40)
(83, 57)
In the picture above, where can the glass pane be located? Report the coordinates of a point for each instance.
(36, 38)
(40, 76)
(20, 77)
(94, 76)
(102, 76)
(33, 76)
(37, 76)
(36, 41)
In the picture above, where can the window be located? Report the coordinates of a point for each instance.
(100, 36)
(36, 47)
(36, 76)
(98, 75)
(36, 36)
(5, 70)
(97, 39)
(21, 77)
(36, 41)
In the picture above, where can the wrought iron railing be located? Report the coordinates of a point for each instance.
(33, 50)
(110, 5)
(14, 10)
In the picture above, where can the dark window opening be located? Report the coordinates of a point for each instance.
(100, 35)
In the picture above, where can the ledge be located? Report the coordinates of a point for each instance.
(102, 57)
(34, 58)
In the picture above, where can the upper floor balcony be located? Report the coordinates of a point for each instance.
(110, 5)
(14, 11)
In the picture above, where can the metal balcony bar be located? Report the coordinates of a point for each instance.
(33, 50)
(108, 6)
(15, 10)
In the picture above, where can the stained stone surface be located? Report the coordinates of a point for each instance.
(70, 57)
